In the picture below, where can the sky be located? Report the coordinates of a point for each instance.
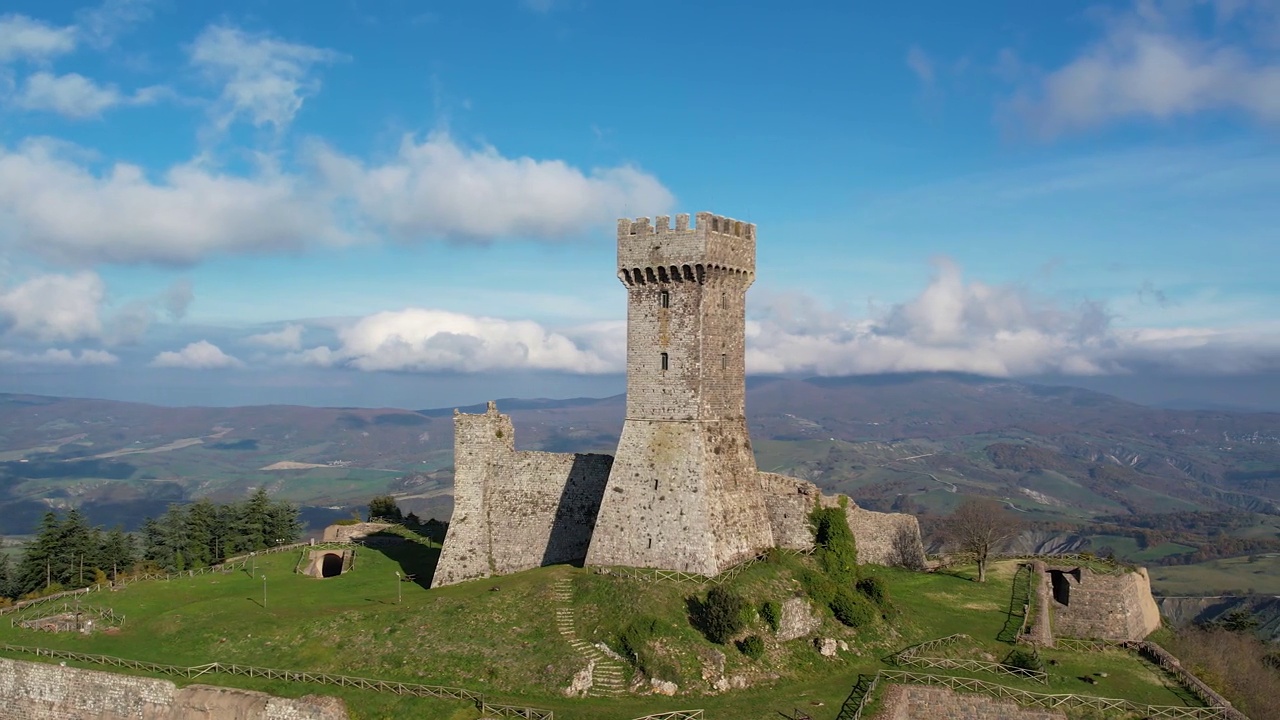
(413, 204)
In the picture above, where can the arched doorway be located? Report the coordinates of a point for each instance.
(331, 565)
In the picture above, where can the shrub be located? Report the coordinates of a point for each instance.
(752, 646)
(720, 616)
(772, 614)
(837, 553)
(875, 588)
(852, 610)
(347, 521)
(1025, 659)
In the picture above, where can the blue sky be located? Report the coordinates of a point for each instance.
(412, 203)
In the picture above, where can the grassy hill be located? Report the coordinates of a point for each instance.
(500, 636)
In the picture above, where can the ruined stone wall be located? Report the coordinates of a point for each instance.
(1086, 604)
(347, 533)
(877, 534)
(912, 702)
(515, 510)
(39, 691)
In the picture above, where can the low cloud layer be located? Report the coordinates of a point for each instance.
(439, 189)
(1161, 61)
(201, 355)
(424, 340)
(58, 357)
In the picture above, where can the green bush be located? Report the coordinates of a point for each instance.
(720, 616)
(1025, 659)
(772, 614)
(347, 521)
(836, 550)
(875, 588)
(752, 646)
(851, 609)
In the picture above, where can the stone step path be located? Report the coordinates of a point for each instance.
(608, 676)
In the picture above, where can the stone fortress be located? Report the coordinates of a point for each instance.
(683, 492)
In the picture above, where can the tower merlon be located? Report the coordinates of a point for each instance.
(711, 241)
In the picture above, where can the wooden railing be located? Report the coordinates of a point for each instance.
(917, 656)
(385, 686)
(1066, 701)
(674, 715)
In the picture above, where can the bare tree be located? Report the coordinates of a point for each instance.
(979, 526)
(906, 550)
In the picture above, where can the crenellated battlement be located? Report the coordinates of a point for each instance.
(706, 222)
(710, 241)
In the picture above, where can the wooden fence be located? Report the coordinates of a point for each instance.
(42, 611)
(385, 686)
(674, 715)
(917, 656)
(1066, 701)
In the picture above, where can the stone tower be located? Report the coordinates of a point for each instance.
(683, 493)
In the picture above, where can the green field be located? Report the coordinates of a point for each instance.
(1126, 548)
(498, 636)
(1254, 574)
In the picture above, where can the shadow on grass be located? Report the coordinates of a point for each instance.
(417, 561)
(1019, 602)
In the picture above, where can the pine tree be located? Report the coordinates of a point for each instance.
(40, 565)
(6, 577)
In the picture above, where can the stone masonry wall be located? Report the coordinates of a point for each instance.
(789, 501)
(912, 702)
(40, 691)
(347, 533)
(876, 533)
(1102, 606)
(515, 510)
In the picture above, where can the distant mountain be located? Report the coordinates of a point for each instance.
(914, 441)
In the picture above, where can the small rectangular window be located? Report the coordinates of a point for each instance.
(664, 299)
(665, 361)
(724, 300)
(724, 361)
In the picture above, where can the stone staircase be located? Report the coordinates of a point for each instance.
(608, 676)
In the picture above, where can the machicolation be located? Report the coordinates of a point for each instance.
(683, 492)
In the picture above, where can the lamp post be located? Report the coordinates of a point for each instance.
(264, 591)
(398, 590)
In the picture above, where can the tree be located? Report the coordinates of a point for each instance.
(385, 507)
(979, 526)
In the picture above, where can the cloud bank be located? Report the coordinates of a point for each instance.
(201, 355)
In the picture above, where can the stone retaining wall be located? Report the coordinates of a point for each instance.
(40, 691)
(912, 702)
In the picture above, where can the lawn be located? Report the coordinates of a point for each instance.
(498, 636)
(1251, 574)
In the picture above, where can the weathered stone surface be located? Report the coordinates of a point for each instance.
(581, 683)
(912, 702)
(348, 533)
(663, 687)
(684, 492)
(38, 691)
(876, 533)
(515, 510)
(827, 647)
(1086, 604)
(798, 619)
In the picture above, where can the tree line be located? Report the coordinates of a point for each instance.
(67, 553)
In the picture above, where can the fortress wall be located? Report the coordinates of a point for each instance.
(515, 510)
(1109, 607)
(347, 533)
(681, 496)
(789, 501)
(911, 702)
(40, 691)
(877, 533)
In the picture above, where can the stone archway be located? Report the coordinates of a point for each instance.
(330, 565)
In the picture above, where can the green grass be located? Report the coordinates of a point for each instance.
(1225, 576)
(498, 636)
(1126, 548)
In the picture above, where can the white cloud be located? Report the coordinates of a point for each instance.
(439, 189)
(973, 327)
(264, 80)
(24, 37)
(58, 356)
(59, 209)
(920, 64)
(102, 24)
(287, 338)
(54, 308)
(76, 96)
(1153, 63)
(419, 339)
(202, 355)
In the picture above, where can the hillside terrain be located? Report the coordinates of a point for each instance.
(512, 637)
(1091, 471)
